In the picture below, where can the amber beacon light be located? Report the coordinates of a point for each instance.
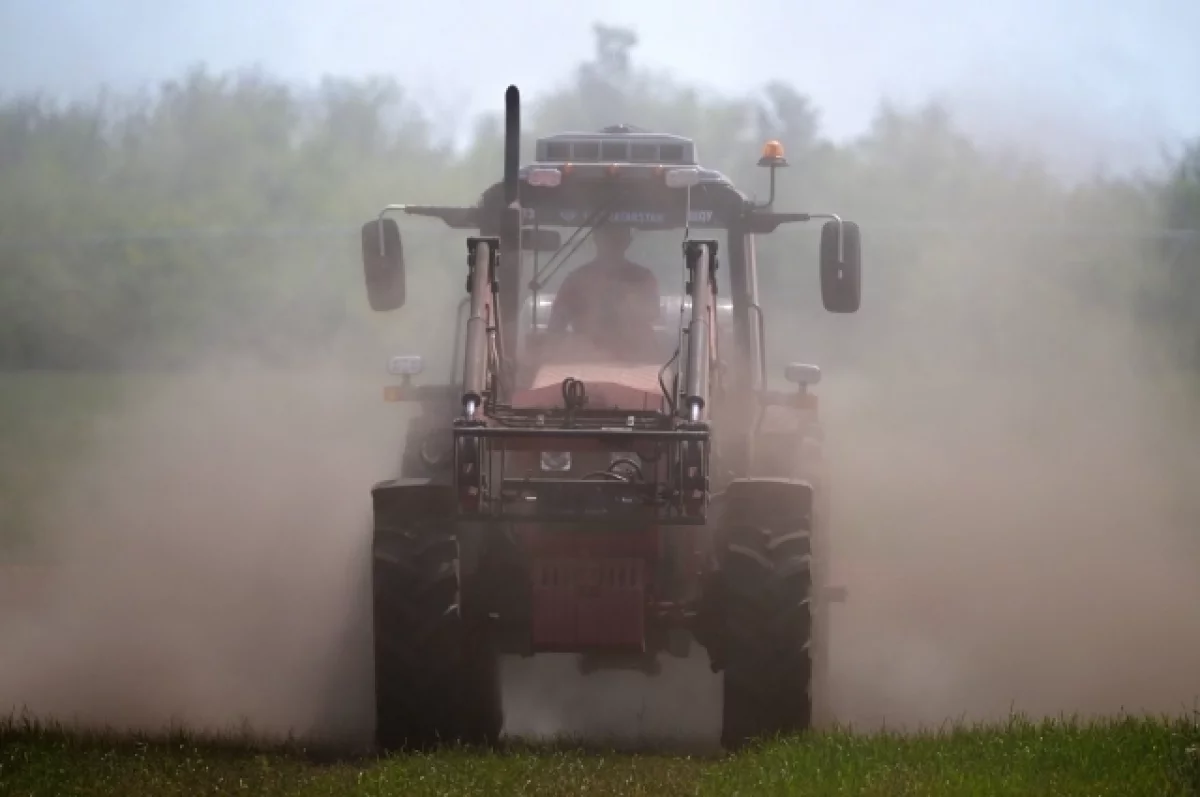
(772, 154)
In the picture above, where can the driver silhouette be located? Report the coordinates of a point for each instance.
(610, 300)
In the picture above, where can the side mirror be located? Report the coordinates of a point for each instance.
(383, 264)
(802, 374)
(541, 240)
(841, 272)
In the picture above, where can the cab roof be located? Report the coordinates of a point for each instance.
(616, 144)
(618, 175)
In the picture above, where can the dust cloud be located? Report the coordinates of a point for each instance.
(211, 560)
(1037, 556)
(1015, 459)
(210, 572)
(1015, 517)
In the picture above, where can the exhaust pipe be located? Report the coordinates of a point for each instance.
(512, 143)
(507, 297)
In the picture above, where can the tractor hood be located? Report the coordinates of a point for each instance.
(610, 383)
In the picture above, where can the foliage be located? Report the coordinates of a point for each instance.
(220, 212)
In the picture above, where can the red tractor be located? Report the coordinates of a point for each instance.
(618, 507)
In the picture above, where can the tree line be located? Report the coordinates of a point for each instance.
(219, 212)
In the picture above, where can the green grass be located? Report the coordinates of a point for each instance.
(1124, 757)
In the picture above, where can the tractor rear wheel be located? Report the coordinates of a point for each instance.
(757, 611)
(437, 677)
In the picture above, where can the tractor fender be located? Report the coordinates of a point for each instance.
(794, 497)
(415, 501)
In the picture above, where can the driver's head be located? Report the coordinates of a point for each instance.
(612, 241)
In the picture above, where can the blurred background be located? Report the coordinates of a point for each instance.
(218, 157)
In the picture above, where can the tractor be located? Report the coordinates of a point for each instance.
(620, 509)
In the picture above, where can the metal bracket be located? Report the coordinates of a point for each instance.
(493, 248)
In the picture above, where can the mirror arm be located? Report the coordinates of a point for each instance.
(456, 217)
(387, 209)
(841, 231)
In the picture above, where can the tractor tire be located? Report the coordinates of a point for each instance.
(437, 676)
(757, 611)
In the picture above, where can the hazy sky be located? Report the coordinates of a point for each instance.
(1080, 78)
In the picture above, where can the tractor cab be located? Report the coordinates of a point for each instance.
(693, 350)
(614, 202)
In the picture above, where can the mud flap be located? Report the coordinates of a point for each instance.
(745, 500)
(406, 502)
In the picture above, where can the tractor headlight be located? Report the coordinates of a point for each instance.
(556, 460)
